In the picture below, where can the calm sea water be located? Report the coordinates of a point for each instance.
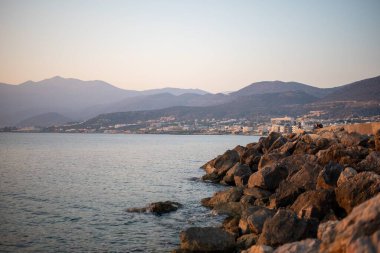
(69, 192)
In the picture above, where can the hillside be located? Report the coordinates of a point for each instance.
(364, 90)
(279, 86)
(44, 120)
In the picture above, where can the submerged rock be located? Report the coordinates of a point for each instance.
(157, 207)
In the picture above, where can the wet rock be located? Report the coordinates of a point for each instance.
(346, 174)
(313, 204)
(246, 241)
(259, 249)
(363, 221)
(267, 178)
(241, 175)
(358, 189)
(370, 163)
(213, 177)
(283, 227)
(157, 207)
(207, 239)
(328, 177)
(305, 246)
(231, 195)
(285, 195)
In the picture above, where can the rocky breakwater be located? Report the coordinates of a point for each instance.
(294, 193)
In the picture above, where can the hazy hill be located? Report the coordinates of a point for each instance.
(173, 91)
(44, 120)
(70, 97)
(279, 86)
(364, 90)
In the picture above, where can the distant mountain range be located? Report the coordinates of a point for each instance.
(55, 100)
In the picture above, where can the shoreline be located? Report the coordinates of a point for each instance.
(294, 193)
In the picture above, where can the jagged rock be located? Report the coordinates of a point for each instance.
(370, 163)
(326, 228)
(295, 163)
(330, 135)
(246, 241)
(305, 246)
(230, 208)
(257, 193)
(229, 177)
(213, 177)
(268, 141)
(231, 225)
(352, 139)
(287, 148)
(246, 212)
(306, 177)
(242, 174)
(305, 148)
(247, 200)
(332, 154)
(257, 219)
(157, 207)
(278, 143)
(207, 239)
(358, 189)
(231, 195)
(223, 163)
(363, 221)
(251, 156)
(284, 227)
(267, 178)
(270, 160)
(259, 249)
(285, 195)
(346, 174)
(328, 176)
(240, 149)
(313, 204)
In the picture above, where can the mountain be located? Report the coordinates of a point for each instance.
(364, 90)
(279, 86)
(44, 120)
(173, 91)
(70, 97)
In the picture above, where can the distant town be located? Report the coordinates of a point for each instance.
(170, 125)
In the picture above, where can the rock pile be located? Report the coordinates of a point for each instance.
(295, 193)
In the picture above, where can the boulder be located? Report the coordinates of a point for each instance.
(240, 149)
(283, 227)
(268, 141)
(231, 225)
(352, 139)
(362, 222)
(157, 208)
(328, 176)
(207, 239)
(247, 200)
(332, 154)
(251, 156)
(306, 177)
(257, 193)
(212, 177)
(222, 163)
(313, 204)
(346, 174)
(246, 241)
(295, 163)
(286, 149)
(368, 244)
(370, 163)
(257, 219)
(358, 189)
(285, 195)
(246, 212)
(305, 246)
(233, 209)
(270, 160)
(267, 178)
(241, 175)
(229, 177)
(231, 195)
(259, 249)
(305, 148)
(277, 144)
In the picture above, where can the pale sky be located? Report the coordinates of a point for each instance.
(213, 45)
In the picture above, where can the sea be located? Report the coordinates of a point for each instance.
(70, 192)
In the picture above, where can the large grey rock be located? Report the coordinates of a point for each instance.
(208, 239)
(157, 207)
(358, 189)
(362, 222)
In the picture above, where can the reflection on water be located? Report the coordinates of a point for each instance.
(69, 192)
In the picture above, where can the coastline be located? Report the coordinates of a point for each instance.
(310, 192)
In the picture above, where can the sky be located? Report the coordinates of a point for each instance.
(214, 45)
